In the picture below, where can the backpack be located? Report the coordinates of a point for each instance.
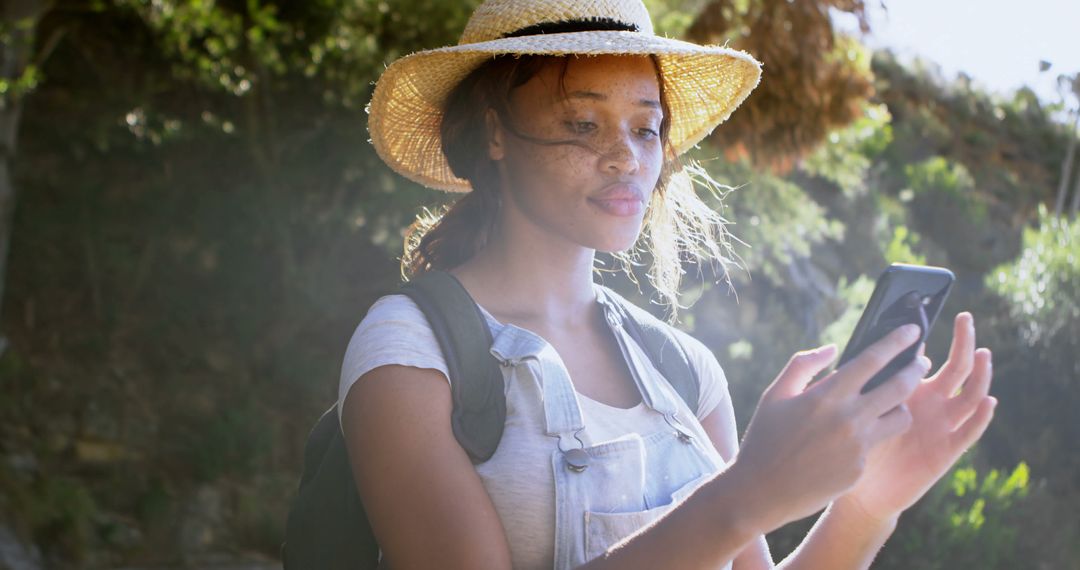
(327, 528)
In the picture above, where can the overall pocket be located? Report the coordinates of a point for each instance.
(604, 530)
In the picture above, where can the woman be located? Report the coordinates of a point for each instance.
(564, 121)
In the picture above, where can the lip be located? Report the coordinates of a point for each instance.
(620, 199)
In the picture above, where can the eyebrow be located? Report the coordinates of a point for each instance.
(651, 103)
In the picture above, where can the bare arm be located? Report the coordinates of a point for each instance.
(426, 504)
(723, 433)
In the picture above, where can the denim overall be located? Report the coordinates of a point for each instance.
(604, 491)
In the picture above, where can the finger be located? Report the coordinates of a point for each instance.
(893, 423)
(968, 433)
(961, 406)
(895, 390)
(852, 376)
(961, 355)
(922, 352)
(800, 370)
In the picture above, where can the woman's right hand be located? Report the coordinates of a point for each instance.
(807, 444)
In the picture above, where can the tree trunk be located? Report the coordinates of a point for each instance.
(1066, 170)
(1075, 206)
(18, 18)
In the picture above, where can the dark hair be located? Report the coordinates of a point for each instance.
(446, 240)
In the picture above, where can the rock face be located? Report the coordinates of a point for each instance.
(203, 520)
(14, 555)
(212, 564)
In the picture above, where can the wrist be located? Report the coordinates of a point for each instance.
(746, 510)
(850, 507)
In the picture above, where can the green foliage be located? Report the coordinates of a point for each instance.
(1012, 147)
(741, 350)
(234, 47)
(233, 442)
(1042, 287)
(20, 74)
(901, 247)
(1036, 336)
(848, 153)
(794, 222)
(20, 86)
(855, 295)
(967, 520)
(946, 207)
(963, 522)
(207, 37)
(672, 17)
(56, 510)
(938, 174)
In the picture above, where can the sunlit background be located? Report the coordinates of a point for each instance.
(192, 222)
(998, 43)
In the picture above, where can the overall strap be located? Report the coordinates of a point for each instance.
(662, 346)
(476, 380)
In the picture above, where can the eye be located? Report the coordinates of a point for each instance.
(581, 127)
(648, 133)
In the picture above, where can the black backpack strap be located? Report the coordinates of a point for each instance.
(476, 380)
(662, 346)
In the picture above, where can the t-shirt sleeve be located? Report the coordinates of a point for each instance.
(394, 331)
(713, 383)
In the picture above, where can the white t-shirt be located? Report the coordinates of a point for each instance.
(395, 331)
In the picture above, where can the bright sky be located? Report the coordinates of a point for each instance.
(999, 43)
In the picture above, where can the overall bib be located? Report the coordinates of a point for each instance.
(604, 491)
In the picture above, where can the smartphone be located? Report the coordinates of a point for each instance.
(904, 294)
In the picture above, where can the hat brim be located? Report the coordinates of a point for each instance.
(702, 86)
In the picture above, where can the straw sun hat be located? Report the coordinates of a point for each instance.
(702, 84)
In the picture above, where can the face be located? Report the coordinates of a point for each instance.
(582, 152)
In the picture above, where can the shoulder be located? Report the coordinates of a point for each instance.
(395, 307)
(394, 331)
(710, 375)
(700, 356)
(393, 322)
(391, 318)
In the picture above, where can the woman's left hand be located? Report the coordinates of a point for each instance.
(946, 421)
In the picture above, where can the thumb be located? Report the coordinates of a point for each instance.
(800, 370)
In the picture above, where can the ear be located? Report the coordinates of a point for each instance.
(496, 143)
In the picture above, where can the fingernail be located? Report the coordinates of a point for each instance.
(909, 332)
(993, 402)
(823, 349)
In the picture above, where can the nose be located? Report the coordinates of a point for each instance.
(620, 157)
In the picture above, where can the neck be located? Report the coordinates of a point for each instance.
(524, 275)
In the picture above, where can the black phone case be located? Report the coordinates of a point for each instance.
(904, 294)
